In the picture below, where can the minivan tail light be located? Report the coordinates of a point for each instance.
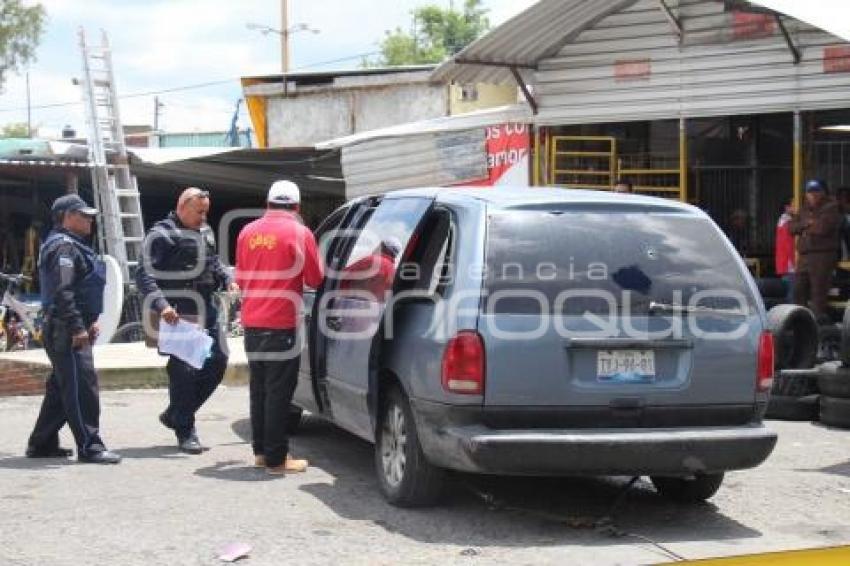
(764, 377)
(463, 364)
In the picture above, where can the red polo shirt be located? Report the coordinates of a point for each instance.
(276, 256)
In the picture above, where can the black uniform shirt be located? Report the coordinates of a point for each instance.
(172, 248)
(61, 267)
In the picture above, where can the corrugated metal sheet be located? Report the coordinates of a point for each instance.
(519, 113)
(429, 159)
(526, 38)
(612, 61)
(719, 69)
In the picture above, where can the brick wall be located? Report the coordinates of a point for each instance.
(21, 378)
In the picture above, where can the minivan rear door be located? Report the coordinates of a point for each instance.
(624, 307)
(351, 306)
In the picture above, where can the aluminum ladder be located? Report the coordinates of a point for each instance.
(116, 192)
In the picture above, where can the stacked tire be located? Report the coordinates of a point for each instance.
(834, 385)
(834, 382)
(794, 396)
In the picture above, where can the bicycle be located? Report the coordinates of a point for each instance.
(21, 320)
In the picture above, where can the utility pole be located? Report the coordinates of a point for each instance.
(29, 108)
(284, 35)
(157, 106)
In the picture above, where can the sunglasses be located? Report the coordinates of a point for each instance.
(199, 194)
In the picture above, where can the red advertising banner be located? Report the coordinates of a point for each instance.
(836, 59)
(508, 148)
(632, 70)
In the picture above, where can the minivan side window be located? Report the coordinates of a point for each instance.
(427, 268)
(380, 247)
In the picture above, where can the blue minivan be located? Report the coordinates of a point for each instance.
(532, 331)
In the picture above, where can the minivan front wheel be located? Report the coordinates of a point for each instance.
(405, 477)
(692, 489)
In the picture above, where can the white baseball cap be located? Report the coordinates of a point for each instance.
(284, 192)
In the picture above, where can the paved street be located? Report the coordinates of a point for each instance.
(162, 507)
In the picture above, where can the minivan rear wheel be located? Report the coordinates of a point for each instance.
(405, 477)
(692, 489)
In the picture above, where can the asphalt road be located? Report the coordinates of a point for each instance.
(163, 507)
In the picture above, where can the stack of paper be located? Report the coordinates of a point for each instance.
(185, 341)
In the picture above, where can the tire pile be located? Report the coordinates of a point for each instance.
(803, 391)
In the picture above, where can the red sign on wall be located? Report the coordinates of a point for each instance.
(752, 26)
(508, 148)
(836, 59)
(632, 70)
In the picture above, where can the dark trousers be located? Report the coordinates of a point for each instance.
(813, 280)
(189, 388)
(71, 395)
(274, 367)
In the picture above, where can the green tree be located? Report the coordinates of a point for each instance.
(20, 31)
(437, 33)
(15, 130)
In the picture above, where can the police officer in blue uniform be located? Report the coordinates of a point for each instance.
(179, 272)
(72, 280)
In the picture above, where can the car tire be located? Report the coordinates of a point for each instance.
(688, 490)
(835, 411)
(786, 408)
(844, 351)
(405, 476)
(294, 419)
(796, 332)
(834, 380)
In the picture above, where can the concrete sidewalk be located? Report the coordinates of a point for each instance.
(119, 366)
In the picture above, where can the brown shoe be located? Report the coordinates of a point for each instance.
(259, 461)
(289, 466)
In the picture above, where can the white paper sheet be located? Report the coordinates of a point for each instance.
(185, 341)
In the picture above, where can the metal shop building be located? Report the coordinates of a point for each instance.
(721, 103)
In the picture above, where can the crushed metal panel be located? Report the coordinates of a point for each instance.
(434, 159)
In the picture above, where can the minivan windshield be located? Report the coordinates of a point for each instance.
(573, 262)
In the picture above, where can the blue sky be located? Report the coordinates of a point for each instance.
(164, 44)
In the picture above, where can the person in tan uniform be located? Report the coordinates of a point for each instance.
(817, 227)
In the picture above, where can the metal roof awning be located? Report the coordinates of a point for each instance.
(524, 40)
(234, 171)
(542, 30)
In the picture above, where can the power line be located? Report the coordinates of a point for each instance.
(186, 87)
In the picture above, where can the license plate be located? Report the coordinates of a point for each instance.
(625, 366)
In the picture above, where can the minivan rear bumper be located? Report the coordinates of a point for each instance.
(633, 451)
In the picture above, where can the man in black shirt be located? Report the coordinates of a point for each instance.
(72, 280)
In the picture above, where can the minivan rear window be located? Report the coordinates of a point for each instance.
(585, 261)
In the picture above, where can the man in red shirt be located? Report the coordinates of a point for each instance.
(276, 256)
(785, 252)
